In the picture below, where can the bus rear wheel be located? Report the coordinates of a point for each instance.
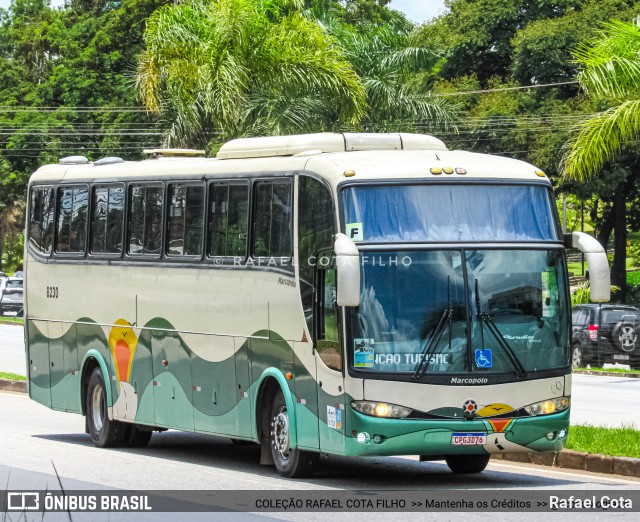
(290, 462)
(104, 433)
(467, 463)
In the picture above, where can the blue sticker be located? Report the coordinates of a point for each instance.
(484, 358)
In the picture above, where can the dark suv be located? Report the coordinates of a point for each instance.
(605, 333)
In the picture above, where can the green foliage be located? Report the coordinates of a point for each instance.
(633, 252)
(581, 295)
(12, 253)
(230, 66)
(623, 441)
(6, 375)
(395, 70)
(610, 72)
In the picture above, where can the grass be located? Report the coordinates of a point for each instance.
(614, 370)
(12, 376)
(620, 442)
(11, 320)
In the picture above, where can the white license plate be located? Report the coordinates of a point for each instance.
(621, 357)
(468, 439)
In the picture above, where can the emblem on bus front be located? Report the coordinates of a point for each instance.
(469, 408)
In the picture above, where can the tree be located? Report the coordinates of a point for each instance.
(398, 74)
(610, 74)
(223, 68)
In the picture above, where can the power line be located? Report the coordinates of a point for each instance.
(502, 89)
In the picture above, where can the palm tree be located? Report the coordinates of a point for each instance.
(395, 71)
(610, 74)
(226, 68)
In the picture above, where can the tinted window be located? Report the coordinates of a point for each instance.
(229, 214)
(186, 218)
(316, 227)
(449, 213)
(41, 220)
(272, 221)
(145, 219)
(73, 205)
(328, 345)
(106, 223)
(617, 315)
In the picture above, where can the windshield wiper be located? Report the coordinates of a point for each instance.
(493, 329)
(430, 347)
(432, 344)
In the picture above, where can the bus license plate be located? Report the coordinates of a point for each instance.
(622, 357)
(468, 439)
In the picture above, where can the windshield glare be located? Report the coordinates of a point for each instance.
(460, 311)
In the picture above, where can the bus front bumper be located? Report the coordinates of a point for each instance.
(370, 436)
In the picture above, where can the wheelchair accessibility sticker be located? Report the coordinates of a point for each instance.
(484, 358)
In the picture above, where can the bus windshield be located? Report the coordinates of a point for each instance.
(460, 311)
(444, 213)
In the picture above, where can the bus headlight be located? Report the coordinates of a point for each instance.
(548, 406)
(381, 409)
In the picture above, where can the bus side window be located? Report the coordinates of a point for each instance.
(186, 219)
(41, 220)
(328, 345)
(73, 208)
(145, 219)
(272, 219)
(106, 221)
(229, 219)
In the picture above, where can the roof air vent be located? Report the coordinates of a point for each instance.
(74, 160)
(109, 160)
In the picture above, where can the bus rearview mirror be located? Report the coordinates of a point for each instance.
(596, 256)
(348, 271)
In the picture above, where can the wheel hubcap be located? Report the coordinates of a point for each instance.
(97, 408)
(280, 433)
(627, 338)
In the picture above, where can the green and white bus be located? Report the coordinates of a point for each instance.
(350, 294)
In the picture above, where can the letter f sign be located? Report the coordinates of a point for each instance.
(355, 232)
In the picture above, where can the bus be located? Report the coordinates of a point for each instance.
(342, 293)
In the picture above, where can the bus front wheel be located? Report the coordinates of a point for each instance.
(467, 463)
(104, 433)
(290, 462)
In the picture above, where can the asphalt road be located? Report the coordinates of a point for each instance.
(37, 439)
(12, 358)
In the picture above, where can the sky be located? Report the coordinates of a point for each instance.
(416, 10)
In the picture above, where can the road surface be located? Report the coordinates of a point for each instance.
(37, 438)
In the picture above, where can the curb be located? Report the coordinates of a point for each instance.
(569, 459)
(13, 386)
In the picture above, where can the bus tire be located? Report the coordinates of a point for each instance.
(467, 463)
(290, 462)
(137, 438)
(104, 433)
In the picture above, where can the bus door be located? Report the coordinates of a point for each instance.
(329, 364)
